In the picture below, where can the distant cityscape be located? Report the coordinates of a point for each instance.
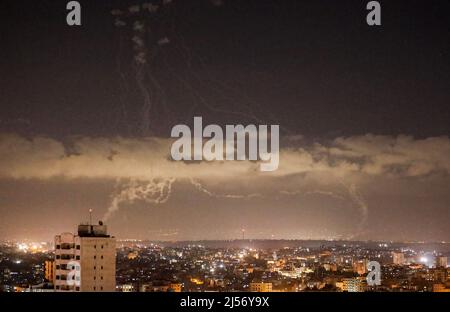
(93, 261)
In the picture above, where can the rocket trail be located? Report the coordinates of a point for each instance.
(156, 191)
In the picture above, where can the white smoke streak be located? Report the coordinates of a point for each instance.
(313, 192)
(353, 195)
(156, 191)
(146, 45)
(362, 205)
(202, 189)
(134, 8)
(152, 8)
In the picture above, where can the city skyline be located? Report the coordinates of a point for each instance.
(94, 261)
(86, 115)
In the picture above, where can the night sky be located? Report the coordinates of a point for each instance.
(86, 113)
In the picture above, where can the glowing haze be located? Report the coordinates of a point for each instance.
(338, 172)
(86, 114)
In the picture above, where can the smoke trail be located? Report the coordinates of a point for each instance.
(154, 26)
(123, 84)
(314, 192)
(353, 194)
(361, 203)
(137, 15)
(156, 191)
(202, 189)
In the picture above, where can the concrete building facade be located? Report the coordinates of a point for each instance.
(87, 261)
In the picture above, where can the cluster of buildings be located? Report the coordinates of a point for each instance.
(85, 261)
(93, 261)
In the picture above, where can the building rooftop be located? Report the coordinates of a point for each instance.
(89, 230)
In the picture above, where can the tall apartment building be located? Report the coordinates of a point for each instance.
(87, 261)
(260, 287)
(356, 284)
(441, 262)
(440, 288)
(360, 266)
(49, 271)
(398, 258)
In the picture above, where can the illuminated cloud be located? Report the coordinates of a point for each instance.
(149, 158)
(344, 171)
